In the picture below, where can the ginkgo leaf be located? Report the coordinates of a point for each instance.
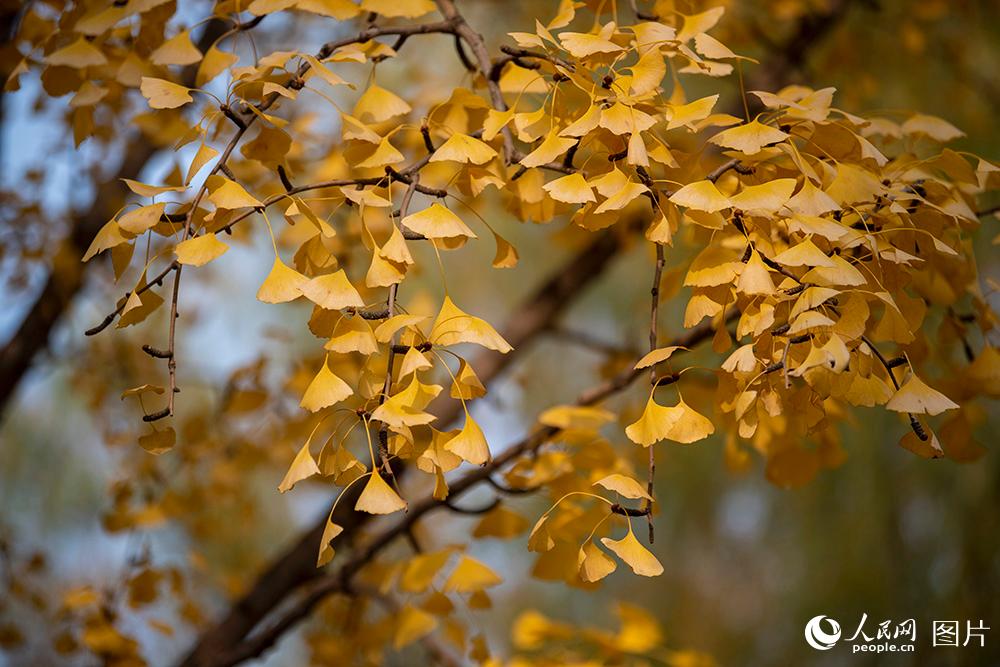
(384, 154)
(437, 222)
(282, 284)
(686, 115)
(385, 331)
(303, 467)
(109, 236)
(648, 72)
(656, 356)
(352, 334)
(701, 196)
(414, 360)
(178, 50)
(406, 408)
(571, 189)
(164, 94)
(147, 190)
(580, 417)
(502, 523)
(626, 194)
(506, 254)
(326, 389)
(412, 623)
(689, 425)
(229, 194)
(804, 254)
(419, 573)
(200, 250)
(916, 397)
(201, 158)
(810, 200)
(330, 532)
(766, 198)
(81, 53)
(624, 486)
(551, 147)
(139, 220)
(582, 44)
(378, 497)
(594, 564)
(467, 384)
(159, 441)
(465, 149)
(470, 443)
(755, 277)
(539, 540)
(213, 63)
(409, 9)
(378, 104)
(749, 138)
(634, 555)
(653, 425)
(453, 326)
(332, 291)
(470, 576)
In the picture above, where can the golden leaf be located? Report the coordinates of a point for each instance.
(378, 497)
(200, 250)
(634, 555)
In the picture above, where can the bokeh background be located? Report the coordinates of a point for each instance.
(747, 564)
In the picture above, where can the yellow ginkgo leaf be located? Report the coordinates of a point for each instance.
(551, 147)
(282, 284)
(502, 523)
(593, 563)
(755, 277)
(303, 466)
(810, 200)
(201, 158)
(506, 254)
(409, 9)
(200, 250)
(653, 425)
(352, 334)
(229, 194)
(330, 532)
(465, 149)
(470, 443)
(325, 390)
(214, 63)
(916, 397)
(466, 384)
(620, 199)
(657, 355)
(749, 138)
(164, 94)
(378, 104)
(138, 220)
(413, 361)
(81, 53)
(577, 417)
(147, 190)
(387, 329)
(766, 198)
(571, 189)
(701, 196)
(378, 497)
(634, 555)
(540, 540)
(332, 291)
(689, 425)
(412, 623)
(109, 236)
(406, 408)
(686, 115)
(470, 576)
(158, 442)
(648, 72)
(437, 222)
(582, 44)
(384, 154)
(419, 573)
(454, 326)
(624, 486)
(804, 254)
(178, 50)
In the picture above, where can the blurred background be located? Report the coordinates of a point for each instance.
(747, 564)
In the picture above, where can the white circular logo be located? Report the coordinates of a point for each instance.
(818, 637)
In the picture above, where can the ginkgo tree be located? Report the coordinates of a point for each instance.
(828, 261)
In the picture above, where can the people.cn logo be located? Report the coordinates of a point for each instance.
(817, 635)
